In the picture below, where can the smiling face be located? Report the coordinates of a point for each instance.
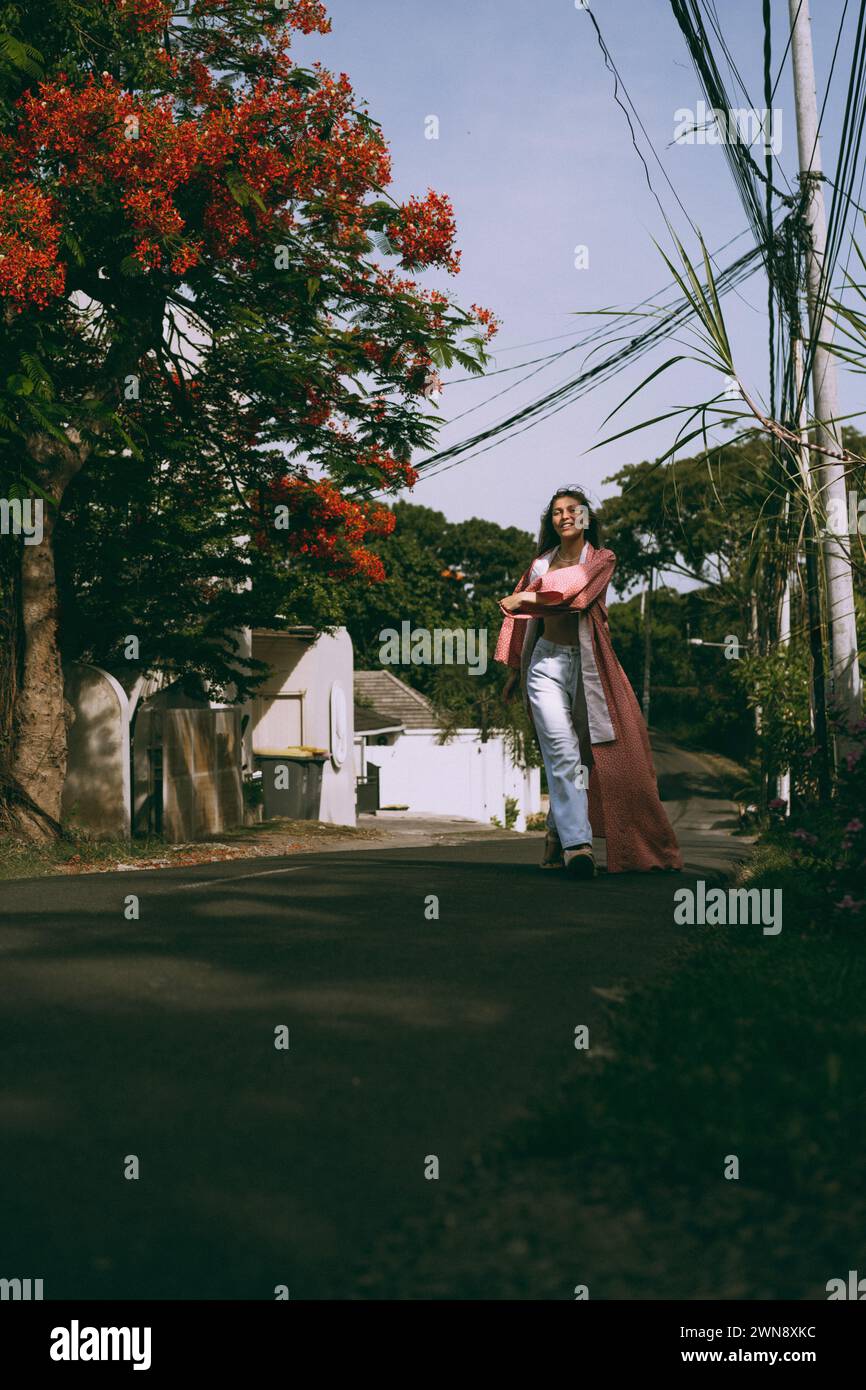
(569, 516)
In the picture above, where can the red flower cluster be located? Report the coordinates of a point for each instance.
(424, 232)
(30, 272)
(369, 566)
(327, 528)
(307, 16)
(147, 16)
(372, 349)
(284, 146)
(223, 171)
(488, 321)
(319, 412)
(99, 138)
(394, 472)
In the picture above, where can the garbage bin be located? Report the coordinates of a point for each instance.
(291, 782)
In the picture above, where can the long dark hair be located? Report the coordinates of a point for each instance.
(547, 537)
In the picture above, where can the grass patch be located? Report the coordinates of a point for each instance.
(21, 859)
(804, 894)
(76, 852)
(282, 825)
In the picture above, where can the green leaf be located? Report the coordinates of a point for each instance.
(302, 80)
(380, 242)
(31, 487)
(44, 423)
(644, 425)
(20, 56)
(441, 354)
(680, 357)
(73, 246)
(238, 187)
(36, 373)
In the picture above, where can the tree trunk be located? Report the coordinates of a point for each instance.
(39, 745)
(10, 567)
(34, 789)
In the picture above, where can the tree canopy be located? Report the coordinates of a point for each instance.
(203, 334)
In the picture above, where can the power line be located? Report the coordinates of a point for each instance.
(744, 169)
(715, 23)
(788, 48)
(846, 172)
(670, 319)
(618, 82)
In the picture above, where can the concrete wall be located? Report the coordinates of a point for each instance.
(463, 777)
(96, 793)
(299, 704)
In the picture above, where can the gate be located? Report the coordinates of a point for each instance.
(368, 789)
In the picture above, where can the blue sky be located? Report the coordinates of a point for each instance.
(538, 160)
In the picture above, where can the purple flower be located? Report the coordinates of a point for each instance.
(854, 825)
(777, 804)
(805, 837)
(850, 905)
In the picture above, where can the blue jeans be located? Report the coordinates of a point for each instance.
(551, 682)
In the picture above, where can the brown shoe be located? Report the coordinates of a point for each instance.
(552, 852)
(580, 862)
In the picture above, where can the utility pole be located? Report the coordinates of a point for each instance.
(845, 685)
(818, 691)
(783, 783)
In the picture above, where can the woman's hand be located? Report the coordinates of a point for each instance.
(512, 602)
(510, 686)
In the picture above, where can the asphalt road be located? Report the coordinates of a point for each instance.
(409, 1037)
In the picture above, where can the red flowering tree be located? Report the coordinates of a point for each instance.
(194, 278)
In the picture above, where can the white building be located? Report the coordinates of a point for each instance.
(399, 734)
(179, 769)
(304, 711)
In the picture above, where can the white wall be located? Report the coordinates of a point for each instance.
(524, 784)
(464, 777)
(308, 670)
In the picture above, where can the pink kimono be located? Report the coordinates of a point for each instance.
(624, 805)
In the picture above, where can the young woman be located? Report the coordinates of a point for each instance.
(593, 739)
